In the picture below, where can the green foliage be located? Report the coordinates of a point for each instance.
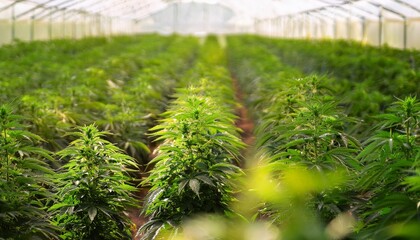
(364, 78)
(136, 103)
(25, 181)
(389, 178)
(313, 177)
(284, 193)
(93, 189)
(389, 71)
(298, 118)
(194, 167)
(299, 123)
(311, 128)
(88, 96)
(120, 84)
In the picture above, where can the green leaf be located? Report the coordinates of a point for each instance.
(205, 179)
(182, 185)
(195, 186)
(58, 206)
(202, 166)
(92, 211)
(37, 165)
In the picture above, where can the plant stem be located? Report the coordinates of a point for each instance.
(6, 154)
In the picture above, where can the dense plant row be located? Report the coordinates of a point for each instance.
(385, 69)
(375, 75)
(85, 193)
(301, 123)
(92, 190)
(195, 162)
(25, 181)
(49, 102)
(335, 158)
(105, 88)
(29, 66)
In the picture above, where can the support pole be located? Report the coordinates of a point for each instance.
(110, 27)
(283, 27)
(64, 24)
(405, 37)
(84, 24)
(32, 28)
(380, 26)
(73, 32)
(89, 25)
(348, 29)
(363, 29)
(13, 27)
(50, 25)
(98, 23)
(308, 27)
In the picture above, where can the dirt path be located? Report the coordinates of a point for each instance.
(244, 121)
(134, 214)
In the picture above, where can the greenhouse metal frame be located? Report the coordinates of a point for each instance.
(376, 22)
(209, 119)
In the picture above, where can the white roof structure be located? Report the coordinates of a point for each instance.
(252, 9)
(210, 16)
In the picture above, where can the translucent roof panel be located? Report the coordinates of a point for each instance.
(192, 17)
(241, 10)
(406, 8)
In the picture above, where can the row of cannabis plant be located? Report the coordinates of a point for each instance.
(195, 165)
(119, 90)
(68, 81)
(301, 123)
(84, 199)
(87, 192)
(374, 74)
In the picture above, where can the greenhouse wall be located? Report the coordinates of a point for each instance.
(357, 31)
(341, 30)
(22, 30)
(372, 33)
(41, 24)
(5, 36)
(387, 28)
(413, 28)
(393, 33)
(40, 31)
(27, 30)
(388, 32)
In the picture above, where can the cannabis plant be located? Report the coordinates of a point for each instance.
(194, 165)
(305, 125)
(49, 118)
(389, 179)
(25, 181)
(93, 189)
(128, 128)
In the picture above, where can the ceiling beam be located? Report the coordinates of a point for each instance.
(408, 5)
(381, 6)
(11, 5)
(43, 5)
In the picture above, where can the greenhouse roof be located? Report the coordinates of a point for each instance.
(240, 10)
